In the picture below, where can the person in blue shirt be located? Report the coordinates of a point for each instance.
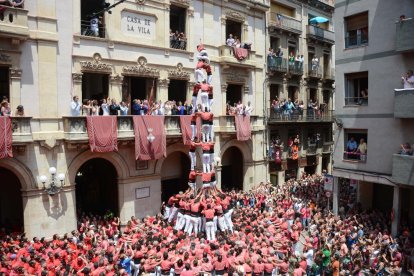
(136, 107)
(125, 263)
(351, 148)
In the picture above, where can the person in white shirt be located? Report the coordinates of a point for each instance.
(408, 79)
(105, 107)
(248, 110)
(230, 41)
(124, 109)
(75, 107)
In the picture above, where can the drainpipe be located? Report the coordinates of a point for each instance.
(266, 79)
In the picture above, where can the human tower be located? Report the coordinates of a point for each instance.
(202, 208)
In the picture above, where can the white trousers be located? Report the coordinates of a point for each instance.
(210, 104)
(211, 235)
(206, 132)
(194, 223)
(222, 224)
(167, 212)
(227, 219)
(187, 223)
(194, 104)
(204, 101)
(215, 219)
(206, 162)
(193, 132)
(173, 214)
(193, 160)
(209, 78)
(199, 75)
(180, 222)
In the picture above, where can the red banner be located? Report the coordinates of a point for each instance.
(240, 53)
(6, 137)
(102, 133)
(243, 128)
(150, 137)
(186, 131)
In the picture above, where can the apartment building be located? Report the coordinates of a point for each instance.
(303, 31)
(52, 51)
(374, 49)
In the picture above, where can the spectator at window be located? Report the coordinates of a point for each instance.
(104, 107)
(95, 108)
(86, 107)
(351, 148)
(271, 58)
(181, 108)
(230, 41)
(408, 79)
(75, 106)
(288, 109)
(249, 109)
(279, 56)
(19, 111)
(237, 42)
(315, 64)
(114, 108)
(362, 150)
(5, 108)
(167, 108)
(406, 149)
(124, 108)
(291, 60)
(301, 60)
(363, 100)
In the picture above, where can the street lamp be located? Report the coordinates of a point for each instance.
(150, 136)
(53, 187)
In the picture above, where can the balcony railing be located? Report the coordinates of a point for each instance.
(356, 40)
(355, 157)
(320, 34)
(403, 169)
(284, 22)
(403, 103)
(277, 64)
(88, 30)
(404, 37)
(227, 124)
(281, 116)
(329, 74)
(295, 68)
(22, 130)
(314, 71)
(327, 147)
(13, 22)
(226, 54)
(328, 2)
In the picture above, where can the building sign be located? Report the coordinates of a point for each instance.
(139, 25)
(142, 192)
(328, 182)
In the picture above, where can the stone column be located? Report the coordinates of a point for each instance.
(300, 171)
(280, 178)
(15, 91)
(223, 96)
(218, 175)
(115, 88)
(190, 31)
(335, 196)
(319, 166)
(284, 93)
(396, 206)
(162, 93)
(77, 85)
(190, 86)
(319, 93)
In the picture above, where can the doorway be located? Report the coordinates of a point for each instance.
(95, 86)
(97, 188)
(140, 89)
(177, 91)
(4, 83)
(232, 172)
(174, 174)
(11, 203)
(234, 94)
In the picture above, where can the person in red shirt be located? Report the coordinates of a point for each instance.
(258, 267)
(206, 119)
(192, 152)
(209, 215)
(205, 91)
(196, 89)
(187, 271)
(207, 147)
(193, 124)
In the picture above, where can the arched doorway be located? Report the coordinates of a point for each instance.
(174, 174)
(232, 174)
(97, 187)
(11, 203)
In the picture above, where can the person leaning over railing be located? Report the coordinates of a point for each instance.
(406, 149)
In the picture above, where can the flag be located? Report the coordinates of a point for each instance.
(151, 97)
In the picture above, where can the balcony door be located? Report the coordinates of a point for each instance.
(95, 86)
(139, 88)
(177, 91)
(4, 83)
(234, 94)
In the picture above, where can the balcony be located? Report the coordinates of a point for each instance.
(22, 130)
(285, 23)
(403, 169)
(316, 33)
(404, 37)
(226, 124)
(403, 103)
(327, 147)
(314, 72)
(295, 68)
(227, 56)
(329, 74)
(277, 65)
(86, 29)
(296, 116)
(13, 23)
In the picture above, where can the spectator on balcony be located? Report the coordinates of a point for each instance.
(315, 65)
(104, 107)
(288, 108)
(299, 106)
(19, 111)
(237, 42)
(276, 108)
(94, 25)
(5, 109)
(136, 107)
(239, 108)
(114, 108)
(297, 62)
(301, 60)
(279, 56)
(363, 100)
(86, 107)
(182, 40)
(271, 58)
(95, 108)
(248, 109)
(408, 79)
(351, 148)
(145, 107)
(167, 108)
(230, 41)
(362, 150)
(291, 61)
(123, 107)
(406, 149)
(75, 106)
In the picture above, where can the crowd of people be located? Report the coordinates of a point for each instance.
(355, 151)
(234, 41)
(178, 40)
(285, 230)
(239, 109)
(5, 109)
(294, 62)
(287, 109)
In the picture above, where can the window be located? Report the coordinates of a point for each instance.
(178, 38)
(356, 27)
(356, 88)
(140, 89)
(275, 43)
(355, 145)
(274, 93)
(233, 94)
(177, 91)
(233, 28)
(95, 86)
(92, 21)
(4, 83)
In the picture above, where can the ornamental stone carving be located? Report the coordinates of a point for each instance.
(77, 77)
(163, 83)
(179, 73)
(182, 2)
(96, 64)
(117, 78)
(141, 2)
(15, 73)
(141, 69)
(223, 88)
(235, 76)
(235, 15)
(5, 58)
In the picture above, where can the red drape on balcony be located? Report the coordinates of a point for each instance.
(240, 53)
(185, 124)
(5, 137)
(144, 150)
(243, 128)
(102, 133)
